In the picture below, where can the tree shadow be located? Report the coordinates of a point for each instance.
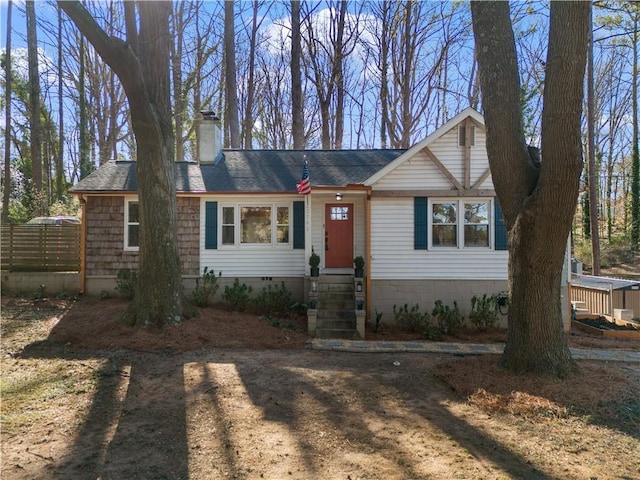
(122, 421)
(130, 434)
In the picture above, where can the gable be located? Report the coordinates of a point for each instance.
(442, 161)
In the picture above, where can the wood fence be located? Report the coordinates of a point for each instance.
(41, 248)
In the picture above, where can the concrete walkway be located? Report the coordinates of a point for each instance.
(365, 346)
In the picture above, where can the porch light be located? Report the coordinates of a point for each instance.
(338, 196)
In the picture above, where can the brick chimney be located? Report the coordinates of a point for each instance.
(209, 138)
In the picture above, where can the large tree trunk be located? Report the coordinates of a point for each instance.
(538, 200)
(142, 64)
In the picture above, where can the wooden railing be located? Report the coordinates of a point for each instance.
(41, 248)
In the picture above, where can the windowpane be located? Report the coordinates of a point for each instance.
(444, 213)
(476, 235)
(134, 216)
(445, 236)
(476, 213)
(256, 224)
(227, 215)
(133, 239)
(228, 237)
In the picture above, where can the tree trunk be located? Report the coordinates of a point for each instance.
(60, 180)
(85, 146)
(34, 99)
(297, 106)
(538, 201)
(233, 123)
(594, 220)
(144, 74)
(635, 154)
(7, 118)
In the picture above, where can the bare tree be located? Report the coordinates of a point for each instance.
(142, 64)
(538, 199)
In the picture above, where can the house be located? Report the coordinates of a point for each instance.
(425, 219)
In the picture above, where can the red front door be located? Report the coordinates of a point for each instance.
(338, 235)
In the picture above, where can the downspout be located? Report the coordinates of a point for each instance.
(367, 243)
(83, 243)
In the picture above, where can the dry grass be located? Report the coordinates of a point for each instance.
(601, 392)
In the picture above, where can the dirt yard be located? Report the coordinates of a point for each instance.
(233, 396)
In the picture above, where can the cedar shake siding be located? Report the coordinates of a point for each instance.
(105, 253)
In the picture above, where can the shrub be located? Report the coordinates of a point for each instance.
(237, 295)
(206, 287)
(126, 281)
(484, 311)
(273, 300)
(378, 322)
(450, 320)
(411, 318)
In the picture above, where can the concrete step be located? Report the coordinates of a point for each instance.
(336, 323)
(345, 333)
(341, 313)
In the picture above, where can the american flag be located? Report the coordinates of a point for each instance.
(304, 187)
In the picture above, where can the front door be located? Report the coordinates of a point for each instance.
(338, 235)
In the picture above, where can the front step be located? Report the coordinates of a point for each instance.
(336, 307)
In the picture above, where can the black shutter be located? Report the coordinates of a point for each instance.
(499, 227)
(420, 223)
(211, 225)
(298, 225)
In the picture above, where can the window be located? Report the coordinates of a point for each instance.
(255, 224)
(131, 225)
(282, 226)
(476, 224)
(469, 230)
(228, 226)
(339, 213)
(444, 221)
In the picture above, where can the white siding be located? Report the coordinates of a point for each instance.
(393, 255)
(417, 171)
(251, 260)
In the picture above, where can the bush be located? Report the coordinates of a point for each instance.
(450, 320)
(273, 300)
(484, 311)
(237, 295)
(126, 281)
(411, 318)
(206, 287)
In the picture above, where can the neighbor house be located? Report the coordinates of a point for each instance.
(425, 219)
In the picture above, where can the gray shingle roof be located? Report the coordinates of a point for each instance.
(252, 171)
(604, 283)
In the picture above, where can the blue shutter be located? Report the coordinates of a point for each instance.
(211, 225)
(499, 227)
(298, 224)
(420, 223)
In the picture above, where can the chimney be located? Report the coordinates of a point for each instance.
(209, 138)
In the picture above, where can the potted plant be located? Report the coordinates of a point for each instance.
(314, 263)
(358, 262)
